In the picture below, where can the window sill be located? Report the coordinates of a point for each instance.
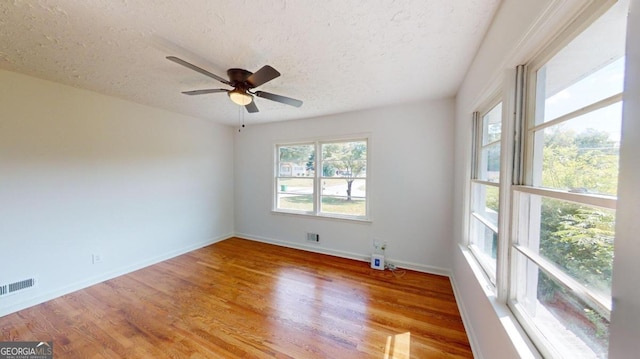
(519, 339)
(323, 216)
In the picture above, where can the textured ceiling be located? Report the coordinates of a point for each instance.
(336, 56)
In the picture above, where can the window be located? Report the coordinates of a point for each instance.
(564, 213)
(337, 189)
(483, 236)
(295, 179)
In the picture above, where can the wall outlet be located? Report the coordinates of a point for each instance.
(96, 258)
(379, 246)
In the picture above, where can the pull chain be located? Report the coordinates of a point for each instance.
(240, 118)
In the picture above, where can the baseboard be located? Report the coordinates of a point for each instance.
(344, 254)
(421, 267)
(466, 321)
(308, 248)
(108, 275)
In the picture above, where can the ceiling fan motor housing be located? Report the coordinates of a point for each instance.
(238, 78)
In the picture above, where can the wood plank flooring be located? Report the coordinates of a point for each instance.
(244, 299)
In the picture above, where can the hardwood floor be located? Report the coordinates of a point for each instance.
(244, 299)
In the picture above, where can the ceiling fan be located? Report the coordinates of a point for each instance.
(243, 82)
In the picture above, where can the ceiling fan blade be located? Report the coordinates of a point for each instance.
(251, 107)
(278, 98)
(264, 75)
(196, 68)
(202, 92)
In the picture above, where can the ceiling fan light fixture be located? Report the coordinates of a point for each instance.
(240, 97)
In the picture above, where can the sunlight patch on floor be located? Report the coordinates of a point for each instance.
(398, 346)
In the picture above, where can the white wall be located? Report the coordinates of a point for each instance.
(518, 32)
(410, 186)
(83, 173)
(625, 319)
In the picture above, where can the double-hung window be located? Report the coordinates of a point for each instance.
(564, 210)
(323, 178)
(483, 236)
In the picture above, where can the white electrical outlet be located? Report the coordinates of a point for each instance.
(96, 258)
(379, 246)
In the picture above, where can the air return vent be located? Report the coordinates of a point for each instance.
(313, 237)
(10, 288)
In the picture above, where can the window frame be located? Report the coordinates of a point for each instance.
(318, 177)
(523, 188)
(515, 158)
(277, 176)
(478, 132)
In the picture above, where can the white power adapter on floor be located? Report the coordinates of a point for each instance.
(377, 261)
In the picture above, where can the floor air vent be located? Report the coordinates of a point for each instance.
(16, 286)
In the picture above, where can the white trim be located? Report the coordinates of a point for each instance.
(305, 247)
(328, 138)
(473, 341)
(483, 261)
(117, 272)
(485, 221)
(548, 351)
(602, 201)
(475, 139)
(486, 183)
(611, 100)
(344, 254)
(482, 147)
(421, 268)
(312, 215)
(507, 155)
(521, 342)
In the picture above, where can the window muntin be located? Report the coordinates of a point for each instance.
(563, 215)
(339, 189)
